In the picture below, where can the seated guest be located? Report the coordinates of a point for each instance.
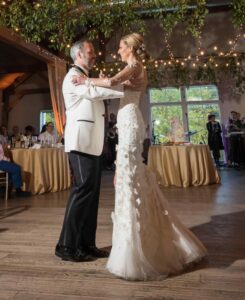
(214, 138)
(14, 171)
(2, 140)
(4, 133)
(15, 132)
(29, 131)
(43, 128)
(48, 136)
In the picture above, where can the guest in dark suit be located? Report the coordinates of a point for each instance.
(235, 151)
(112, 141)
(214, 138)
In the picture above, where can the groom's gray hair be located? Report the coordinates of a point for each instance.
(77, 46)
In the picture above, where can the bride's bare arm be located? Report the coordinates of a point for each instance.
(128, 73)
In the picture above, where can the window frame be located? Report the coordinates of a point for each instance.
(183, 103)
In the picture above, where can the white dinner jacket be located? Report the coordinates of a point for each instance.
(84, 131)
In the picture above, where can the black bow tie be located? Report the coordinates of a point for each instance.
(81, 70)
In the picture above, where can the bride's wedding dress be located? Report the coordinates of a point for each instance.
(149, 242)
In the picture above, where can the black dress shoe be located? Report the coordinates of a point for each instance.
(82, 256)
(64, 252)
(69, 254)
(95, 252)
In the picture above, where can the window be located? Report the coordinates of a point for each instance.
(180, 114)
(45, 117)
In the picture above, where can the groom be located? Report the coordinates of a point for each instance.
(84, 137)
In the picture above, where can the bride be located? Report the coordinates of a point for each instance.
(149, 242)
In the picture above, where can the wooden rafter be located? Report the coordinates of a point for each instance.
(18, 42)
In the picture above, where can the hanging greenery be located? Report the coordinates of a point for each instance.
(57, 24)
(238, 13)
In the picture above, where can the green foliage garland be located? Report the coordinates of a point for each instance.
(56, 24)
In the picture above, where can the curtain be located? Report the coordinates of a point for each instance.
(56, 74)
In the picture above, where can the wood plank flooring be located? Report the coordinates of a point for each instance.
(29, 229)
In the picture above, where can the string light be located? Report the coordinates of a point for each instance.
(202, 59)
(170, 53)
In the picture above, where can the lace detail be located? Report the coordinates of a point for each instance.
(132, 64)
(149, 242)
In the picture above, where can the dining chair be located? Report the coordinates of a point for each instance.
(4, 180)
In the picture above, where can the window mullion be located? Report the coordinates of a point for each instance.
(184, 109)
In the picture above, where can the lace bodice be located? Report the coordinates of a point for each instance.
(130, 97)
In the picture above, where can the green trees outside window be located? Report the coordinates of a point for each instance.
(180, 113)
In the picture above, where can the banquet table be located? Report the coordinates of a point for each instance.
(43, 170)
(182, 166)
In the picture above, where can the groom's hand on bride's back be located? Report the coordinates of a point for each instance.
(77, 79)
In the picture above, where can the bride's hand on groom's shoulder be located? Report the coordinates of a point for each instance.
(77, 79)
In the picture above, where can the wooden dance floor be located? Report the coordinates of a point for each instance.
(29, 230)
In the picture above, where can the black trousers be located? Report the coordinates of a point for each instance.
(80, 221)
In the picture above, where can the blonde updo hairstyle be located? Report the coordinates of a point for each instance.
(136, 41)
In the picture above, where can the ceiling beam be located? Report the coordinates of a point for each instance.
(10, 37)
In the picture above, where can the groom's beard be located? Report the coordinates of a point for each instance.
(89, 62)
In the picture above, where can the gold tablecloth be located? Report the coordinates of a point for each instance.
(43, 170)
(183, 166)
